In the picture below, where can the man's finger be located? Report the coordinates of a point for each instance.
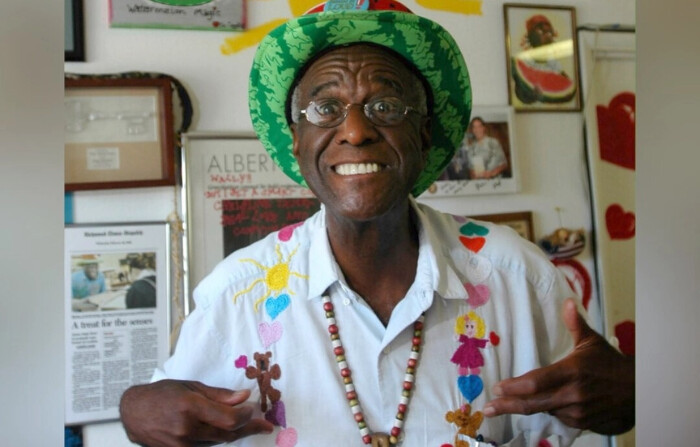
(574, 321)
(221, 395)
(534, 382)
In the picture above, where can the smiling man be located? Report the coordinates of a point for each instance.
(378, 320)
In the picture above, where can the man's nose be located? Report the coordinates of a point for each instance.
(356, 129)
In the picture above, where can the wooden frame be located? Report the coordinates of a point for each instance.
(520, 221)
(459, 176)
(119, 133)
(74, 43)
(542, 58)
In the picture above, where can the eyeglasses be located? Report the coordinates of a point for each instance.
(330, 112)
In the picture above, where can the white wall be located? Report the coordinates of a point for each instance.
(550, 145)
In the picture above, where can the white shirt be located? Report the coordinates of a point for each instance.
(267, 298)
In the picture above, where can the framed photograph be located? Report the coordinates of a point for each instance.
(235, 195)
(486, 162)
(542, 58)
(74, 44)
(221, 15)
(118, 133)
(117, 320)
(520, 221)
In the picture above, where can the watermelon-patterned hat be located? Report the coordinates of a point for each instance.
(286, 50)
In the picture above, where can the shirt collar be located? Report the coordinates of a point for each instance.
(433, 271)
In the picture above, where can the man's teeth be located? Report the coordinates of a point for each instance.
(357, 168)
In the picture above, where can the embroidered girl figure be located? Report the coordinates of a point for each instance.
(471, 329)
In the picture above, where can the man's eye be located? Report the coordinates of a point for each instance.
(387, 106)
(328, 108)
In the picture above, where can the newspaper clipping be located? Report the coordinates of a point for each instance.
(117, 287)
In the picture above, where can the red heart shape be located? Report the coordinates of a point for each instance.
(616, 125)
(494, 338)
(285, 234)
(624, 331)
(473, 243)
(620, 224)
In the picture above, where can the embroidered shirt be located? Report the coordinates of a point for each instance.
(259, 324)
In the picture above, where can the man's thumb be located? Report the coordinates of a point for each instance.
(574, 321)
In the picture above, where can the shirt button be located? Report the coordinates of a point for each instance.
(346, 301)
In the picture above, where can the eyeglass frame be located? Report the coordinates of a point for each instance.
(365, 109)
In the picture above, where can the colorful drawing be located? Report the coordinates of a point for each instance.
(276, 279)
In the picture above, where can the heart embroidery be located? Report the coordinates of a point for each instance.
(276, 415)
(241, 362)
(472, 229)
(470, 386)
(473, 243)
(285, 234)
(478, 295)
(275, 306)
(620, 224)
(494, 338)
(269, 333)
(286, 438)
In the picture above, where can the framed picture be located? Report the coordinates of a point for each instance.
(486, 162)
(74, 44)
(235, 195)
(221, 15)
(117, 313)
(542, 58)
(520, 221)
(118, 133)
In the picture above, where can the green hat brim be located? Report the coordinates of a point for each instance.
(422, 42)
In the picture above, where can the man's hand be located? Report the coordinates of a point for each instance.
(172, 413)
(591, 388)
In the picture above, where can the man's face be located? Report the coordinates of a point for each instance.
(91, 271)
(541, 34)
(356, 75)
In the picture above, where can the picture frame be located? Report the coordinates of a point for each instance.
(207, 15)
(542, 58)
(487, 160)
(74, 34)
(234, 194)
(117, 295)
(520, 221)
(119, 133)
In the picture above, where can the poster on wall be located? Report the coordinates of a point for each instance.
(117, 328)
(541, 58)
(236, 195)
(486, 161)
(222, 15)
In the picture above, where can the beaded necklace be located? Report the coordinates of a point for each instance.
(376, 439)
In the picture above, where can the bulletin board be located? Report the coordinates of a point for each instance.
(234, 195)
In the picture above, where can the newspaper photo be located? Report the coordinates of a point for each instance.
(117, 288)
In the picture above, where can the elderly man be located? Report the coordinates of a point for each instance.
(378, 320)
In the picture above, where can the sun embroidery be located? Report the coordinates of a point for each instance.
(276, 277)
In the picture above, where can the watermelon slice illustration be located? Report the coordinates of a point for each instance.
(533, 83)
